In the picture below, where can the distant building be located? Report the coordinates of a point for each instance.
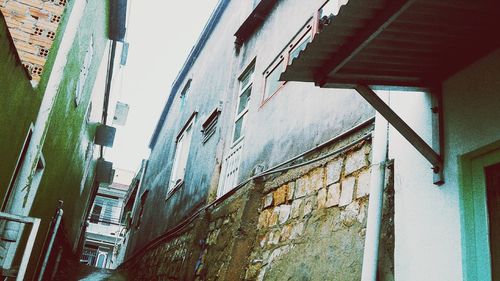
(129, 203)
(106, 229)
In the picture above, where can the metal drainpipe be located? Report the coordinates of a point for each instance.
(377, 184)
(107, 90)
(53, 235)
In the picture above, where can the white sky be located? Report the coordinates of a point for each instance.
(161, 34)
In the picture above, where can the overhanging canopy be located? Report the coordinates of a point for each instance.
(410, 43)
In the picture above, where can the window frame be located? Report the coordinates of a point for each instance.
(209, 126)
(84, 72)
(95, 217)
(107, 204)
(309, 28)
(185, 90)
(250, 69)
(174, 171)
(474, 216)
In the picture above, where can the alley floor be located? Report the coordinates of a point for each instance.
(89, 273)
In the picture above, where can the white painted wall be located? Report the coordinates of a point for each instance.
(428, 242)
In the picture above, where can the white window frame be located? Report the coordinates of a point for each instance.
(250, 70)
(181, 156)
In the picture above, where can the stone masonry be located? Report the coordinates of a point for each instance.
(313, 226)
(305, 224)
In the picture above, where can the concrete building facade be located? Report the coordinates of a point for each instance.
(52, 52)
(301, 179)
(106, 229)
(247, 172)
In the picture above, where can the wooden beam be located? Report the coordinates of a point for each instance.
(408, 133)
(381, 21)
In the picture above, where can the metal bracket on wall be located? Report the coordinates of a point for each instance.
(408, 133)
(437, 133)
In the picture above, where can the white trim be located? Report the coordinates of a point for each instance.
(181, 156)
(248, 72)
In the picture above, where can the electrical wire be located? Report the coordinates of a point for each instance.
(180, 227)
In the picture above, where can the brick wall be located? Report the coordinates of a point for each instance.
(307, 223)
(33, 25)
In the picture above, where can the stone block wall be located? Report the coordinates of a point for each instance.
(312, 227)
(166, 261)
(307, 223)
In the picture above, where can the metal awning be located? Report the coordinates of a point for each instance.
(410, 43)
(404, 44)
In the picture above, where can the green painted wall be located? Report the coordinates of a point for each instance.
(19, 104)
(19, 101)
(69, 134)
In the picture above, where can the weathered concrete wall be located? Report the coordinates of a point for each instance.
(294, 120)
(307, 223)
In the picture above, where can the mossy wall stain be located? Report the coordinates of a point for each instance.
(19, 104)
(68, 133)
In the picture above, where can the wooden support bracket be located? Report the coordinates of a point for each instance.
(408, 133)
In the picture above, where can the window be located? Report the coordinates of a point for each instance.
(181, 155)
(88, 157)
(272, 77)
(300, 44)
(480, 200)
(244, 94)
(290, 52)
(105, 211)
(89, 112)
(20, 163)
(209, 126)
(232, 158)
(84, 71)
(185, 91)
(96, 214)
(144, 196)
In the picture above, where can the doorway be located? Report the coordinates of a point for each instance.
(481, 216)
(492, 174)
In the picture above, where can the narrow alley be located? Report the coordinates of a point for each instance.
(249, 140)
(90, 273)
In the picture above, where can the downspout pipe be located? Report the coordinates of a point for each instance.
(53, 234)
(375, 207)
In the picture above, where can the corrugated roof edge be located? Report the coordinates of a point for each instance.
(193, 55)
